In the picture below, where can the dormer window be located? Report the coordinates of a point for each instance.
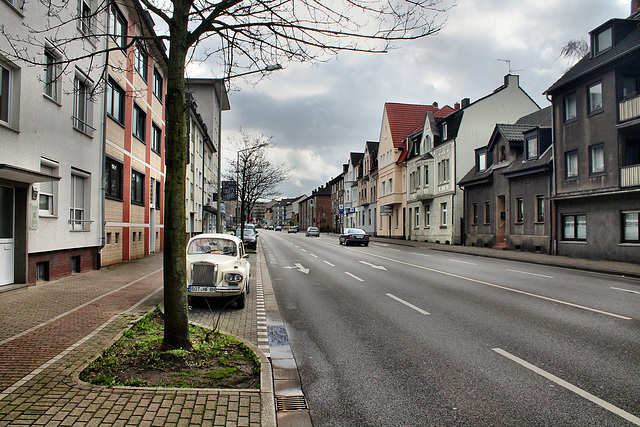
(444, 131)
(532, 148)
(602, 41)
(481, 160)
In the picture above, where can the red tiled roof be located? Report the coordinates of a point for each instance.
(404, 119)
(444, 111)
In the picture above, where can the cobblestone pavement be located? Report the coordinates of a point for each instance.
(50, 332)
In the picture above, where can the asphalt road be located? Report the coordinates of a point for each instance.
(391, 336)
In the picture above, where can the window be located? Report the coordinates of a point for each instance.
(427, 215)
(596, 159)
(6, 84)
(48, 190)
(140, 60)
(85, 17)
(487, 213)
(482, 161)
(156, 138)
(595, 97)
(417, 220)
(474, 214)
(426, 175)
(117, 26)
(390, 185)
(574, 227)
(444, 131)
(418, 177)
(631, 227)
(113, 178)
(443, 211)
(571, 164)
(570, 109)
(139, 122)
(519, 210)
(539, 208)
(51, 75)
(602, 41)
(82, 105)
(115, 101)
(77, 210)
(532, 148)
(137, 187)
(443, 171)
(157, 84)
(629, 86)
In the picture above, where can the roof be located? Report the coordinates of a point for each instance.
(356, 158)
(513, 133)
(630, 43)
(538, 118)
(521, 166)
(473, 178)
(404, 119)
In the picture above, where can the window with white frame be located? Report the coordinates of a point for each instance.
(78, 209)
(117, 25)
(596, 159)
(571, 164)
(574, 227)
(137, 187)
(85, 17)
(474, 214)
(532, 148)
(595, 97)
(418, 171)
(519, 210)
(427, 216)
(487, 213)
(426, 175)
(417, 217)
(48, 190)
(443, 214)
(539, 199)
(52, 75)
(7, 93)
(156, 138)
(443, 171)
(631, 227)
(158, 82)
(115, 101)
(82, 105)
(140, 60)
(570, 108)
(390, 185)
(482, 161)
(602, 41)
(139, 122)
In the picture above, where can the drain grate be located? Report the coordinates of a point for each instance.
(291, 403)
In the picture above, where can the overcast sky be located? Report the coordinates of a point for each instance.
(318, 114)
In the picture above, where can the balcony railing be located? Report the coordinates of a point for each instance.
(629, 108)
(630, 176)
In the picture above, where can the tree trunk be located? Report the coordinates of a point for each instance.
(176, 323)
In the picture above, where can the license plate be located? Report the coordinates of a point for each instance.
(201, 289)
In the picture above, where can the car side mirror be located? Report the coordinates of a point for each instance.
(245, 256)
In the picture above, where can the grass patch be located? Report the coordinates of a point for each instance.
(215, 361)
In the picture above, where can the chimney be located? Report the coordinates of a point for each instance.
(435, 105)
(510, 79)
(465, 102)
(456, 106)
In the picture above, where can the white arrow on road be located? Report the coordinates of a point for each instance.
(299, 267)
(379, 267)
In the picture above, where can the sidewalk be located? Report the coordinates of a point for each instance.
(599, 266)
(50, 332)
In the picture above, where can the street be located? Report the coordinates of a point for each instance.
(390, 335)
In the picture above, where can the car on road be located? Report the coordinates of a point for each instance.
(312, 231)
(278, 228)
(217, 266)
(250, 237)
(354, 236)
(293, 229)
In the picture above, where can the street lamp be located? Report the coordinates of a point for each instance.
(250, 150)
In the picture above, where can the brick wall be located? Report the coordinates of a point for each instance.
(59, 262)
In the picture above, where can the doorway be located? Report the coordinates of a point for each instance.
(7, 203)
(501, 219)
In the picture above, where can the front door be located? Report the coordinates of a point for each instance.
(501, 219)
(152, 231)
(6, 235)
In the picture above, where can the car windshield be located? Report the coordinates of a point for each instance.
(313, 229)
(247, 232)
(207, 245)
(355, 231)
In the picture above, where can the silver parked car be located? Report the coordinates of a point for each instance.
(312, 231)
(217, 266)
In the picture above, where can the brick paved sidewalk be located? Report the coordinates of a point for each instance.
(48, 334)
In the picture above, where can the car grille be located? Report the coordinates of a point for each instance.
(203, 274)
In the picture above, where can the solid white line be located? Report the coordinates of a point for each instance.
(606, 405)
(418, 309)
(53, 319)
(355, 277)
(327, 262)
(462, 262)
(531, 274)
(626, 290)
(416, 253)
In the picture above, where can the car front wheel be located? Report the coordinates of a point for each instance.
(241, 300)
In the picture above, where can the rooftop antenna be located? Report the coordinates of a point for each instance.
(508, 61)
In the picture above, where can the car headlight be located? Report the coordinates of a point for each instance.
(233, 278)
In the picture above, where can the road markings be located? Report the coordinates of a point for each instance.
(408, 304)
(493, 285)
(462, 262)
(626, 290)
(531, 274)
(327, 262)
(303, 250)
(379, 267)
(355, 277)
(606, 405)
(314, 255)
(417, 253)
(298, 267)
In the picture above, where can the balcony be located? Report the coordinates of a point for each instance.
(422, 193)
(629, 109)
(630, 176)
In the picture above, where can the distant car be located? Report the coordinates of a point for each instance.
(293, 229)
(217, 266)
(312, 231)
(278, 228)
(354, 236)
(250, 237)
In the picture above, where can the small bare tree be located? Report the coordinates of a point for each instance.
(240, 36)
(574, 51)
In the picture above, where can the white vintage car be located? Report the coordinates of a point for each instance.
(217, 266)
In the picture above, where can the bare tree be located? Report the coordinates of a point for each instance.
(575, 50)
(256, 177)
(244, 36)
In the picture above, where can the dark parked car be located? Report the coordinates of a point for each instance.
(354, 236)
(312, 231)
(250, 237)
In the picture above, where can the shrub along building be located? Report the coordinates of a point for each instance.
(512, 172)
(596, 122)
